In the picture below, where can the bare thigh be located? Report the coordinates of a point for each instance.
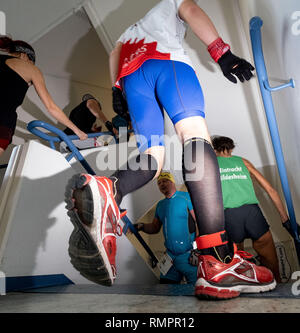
(192, 127)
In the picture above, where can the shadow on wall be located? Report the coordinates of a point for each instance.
(31, 225)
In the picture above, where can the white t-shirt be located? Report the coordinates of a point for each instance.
(158, 35)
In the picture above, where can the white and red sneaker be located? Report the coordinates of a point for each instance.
(217, 280)
(95, 216)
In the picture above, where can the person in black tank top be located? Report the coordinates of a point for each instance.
(81, 116)
(13, 89)
(17, 73)
(85, 115)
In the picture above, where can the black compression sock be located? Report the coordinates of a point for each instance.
(138, 172)
(223, 253)
(202, 179)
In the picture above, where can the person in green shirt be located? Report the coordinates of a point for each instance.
(243, 216)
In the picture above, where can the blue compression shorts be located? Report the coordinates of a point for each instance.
(158, 85)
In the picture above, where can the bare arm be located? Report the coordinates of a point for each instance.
(150, 228)
(198, 20)
(95, 109)
(41, 89)
(273, 194)
(233, 67)
(114, 62)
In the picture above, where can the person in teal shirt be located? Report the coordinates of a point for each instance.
(243, 216)
(175, 214)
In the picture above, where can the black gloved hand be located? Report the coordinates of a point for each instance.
(287, 225)
(194, 257)
(119, 103)
(109, 126)
(232, 65)
(139, 226)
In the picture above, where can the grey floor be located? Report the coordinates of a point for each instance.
(92, 299)
(87, 303)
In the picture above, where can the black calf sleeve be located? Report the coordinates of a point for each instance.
(138, 172)
(202, 179)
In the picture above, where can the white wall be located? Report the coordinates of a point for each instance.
(281, 48)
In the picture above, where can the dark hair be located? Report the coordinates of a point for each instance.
(86, 97)
(222, 143)
(16, 46)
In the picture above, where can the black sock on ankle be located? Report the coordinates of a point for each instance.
(222, 252)
(138, 172)
(202, 178)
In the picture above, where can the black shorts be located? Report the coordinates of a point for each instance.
(244, 222)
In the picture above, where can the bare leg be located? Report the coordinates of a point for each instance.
(192, 127)
(265, 248)
(158, 152)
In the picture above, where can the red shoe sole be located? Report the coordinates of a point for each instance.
(202, 292)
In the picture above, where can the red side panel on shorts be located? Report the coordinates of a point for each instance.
(6, 134)
(4, 143)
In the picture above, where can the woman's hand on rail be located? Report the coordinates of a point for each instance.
(80, 134)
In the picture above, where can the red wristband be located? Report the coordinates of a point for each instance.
(217, 48)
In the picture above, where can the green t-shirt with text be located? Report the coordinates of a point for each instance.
(237, 186)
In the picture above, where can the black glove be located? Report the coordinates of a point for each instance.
(109, 126)
(139, 226)
(194, 257)
(119, 103)
(231, 64)
(287, 225)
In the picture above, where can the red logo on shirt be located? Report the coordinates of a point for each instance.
(133, 55)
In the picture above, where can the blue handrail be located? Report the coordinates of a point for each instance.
(255, 34)
(61, 136)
